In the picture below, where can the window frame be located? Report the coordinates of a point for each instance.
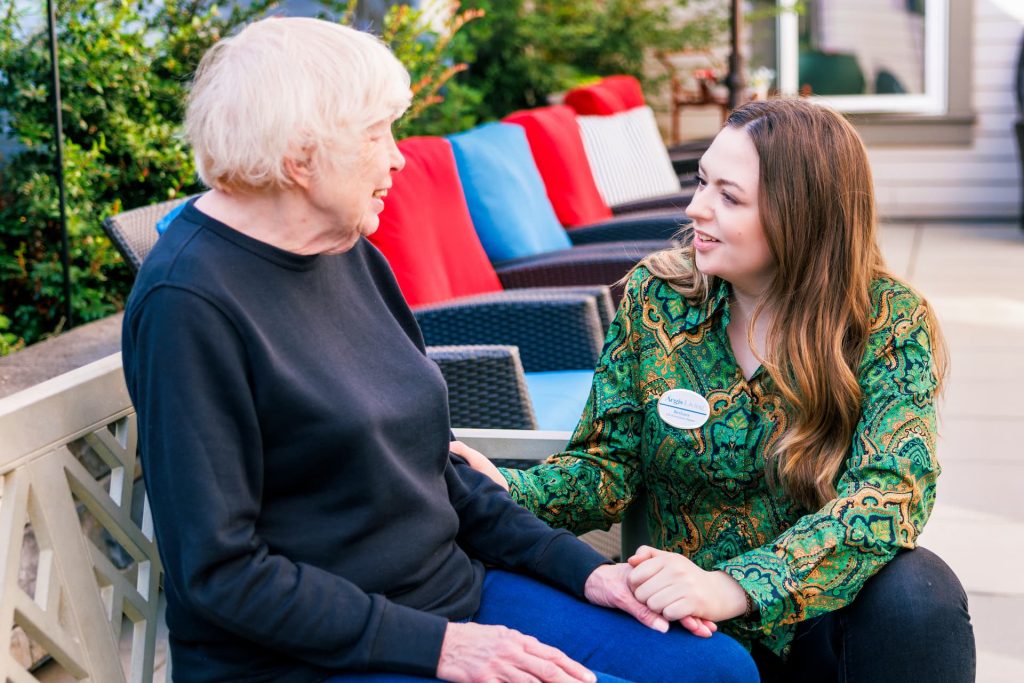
(934, 100)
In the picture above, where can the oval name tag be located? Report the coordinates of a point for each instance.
(683, 408)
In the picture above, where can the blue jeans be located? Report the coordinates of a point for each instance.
(908, 623)
(610, 643)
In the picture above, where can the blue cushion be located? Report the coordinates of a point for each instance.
(558, 397)
(161, 225)
(510, 208)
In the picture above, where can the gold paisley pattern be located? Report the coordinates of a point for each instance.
(707, 493)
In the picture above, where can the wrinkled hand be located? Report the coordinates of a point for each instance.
(478, 653)
(677, 589)
(607, 587)
(479, 462)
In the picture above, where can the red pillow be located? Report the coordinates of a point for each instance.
(627, 88)
(425, 231)
(557, 148)
(594, 100)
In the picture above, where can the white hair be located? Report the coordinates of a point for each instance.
(288, 88)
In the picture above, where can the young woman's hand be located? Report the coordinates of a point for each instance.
(673, 586)
(479, 462)
(479, 652)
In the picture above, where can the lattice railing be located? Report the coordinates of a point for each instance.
(65, 529)
(80, 571)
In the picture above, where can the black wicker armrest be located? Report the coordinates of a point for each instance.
(642, 225)
(601, 294)
(590, 264)
(560, 331)
(486, 387)
(677, 201)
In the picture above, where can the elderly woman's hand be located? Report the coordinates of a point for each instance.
(479, 462)
(608, 586)
(478, 652)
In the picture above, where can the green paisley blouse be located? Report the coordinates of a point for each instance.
(707, 493)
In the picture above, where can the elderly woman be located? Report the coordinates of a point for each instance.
(295, 438)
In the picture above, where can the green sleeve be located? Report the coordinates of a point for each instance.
(591, 483)
(885, 494)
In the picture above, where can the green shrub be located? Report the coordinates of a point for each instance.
(124, 68)
(434, 52)
(528, 50)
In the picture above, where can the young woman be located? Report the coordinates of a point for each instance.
(772, 388)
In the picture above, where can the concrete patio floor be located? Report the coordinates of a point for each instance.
(974, 277)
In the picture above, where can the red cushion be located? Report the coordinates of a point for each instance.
(627, 88)
(557, 149)
(594, 100)
(425, 231)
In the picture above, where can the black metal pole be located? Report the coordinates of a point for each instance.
(735, 80)
(58, 140)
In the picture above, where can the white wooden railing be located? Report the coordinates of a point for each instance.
(71, 601)
(68, 598)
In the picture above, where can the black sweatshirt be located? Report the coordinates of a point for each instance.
(294, 442)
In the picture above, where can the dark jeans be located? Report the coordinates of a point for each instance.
(909, 623)
(612, 644)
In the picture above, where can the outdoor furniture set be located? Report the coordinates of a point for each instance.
(504, 244)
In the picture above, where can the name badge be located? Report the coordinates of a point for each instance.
(683, 408)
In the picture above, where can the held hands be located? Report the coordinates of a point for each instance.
(474, 653)
(608, 586)
(479, 462)
(677, 589)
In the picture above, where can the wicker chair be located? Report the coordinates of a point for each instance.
(134, 232)
(487, 387)
(621, 97)
(550, 329)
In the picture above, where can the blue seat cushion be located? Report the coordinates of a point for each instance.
(161, 225)
(506, 197)
(558, 397)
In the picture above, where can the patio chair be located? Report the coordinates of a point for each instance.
(460, 297)
(487, 387)
(517, 224)
(631, 165)
(558, 150)
(134, 232)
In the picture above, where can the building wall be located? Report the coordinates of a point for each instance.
(982, 180)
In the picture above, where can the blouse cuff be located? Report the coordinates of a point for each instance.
(762, 577)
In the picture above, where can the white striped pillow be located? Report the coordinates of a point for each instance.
(627, 156)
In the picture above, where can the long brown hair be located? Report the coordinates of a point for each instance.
(817, 207)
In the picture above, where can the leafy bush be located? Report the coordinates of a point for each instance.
(124, 68)
(433, 48)
(528, 50)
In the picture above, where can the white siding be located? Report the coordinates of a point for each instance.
(984, 179)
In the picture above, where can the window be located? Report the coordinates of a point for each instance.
(866, 56)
